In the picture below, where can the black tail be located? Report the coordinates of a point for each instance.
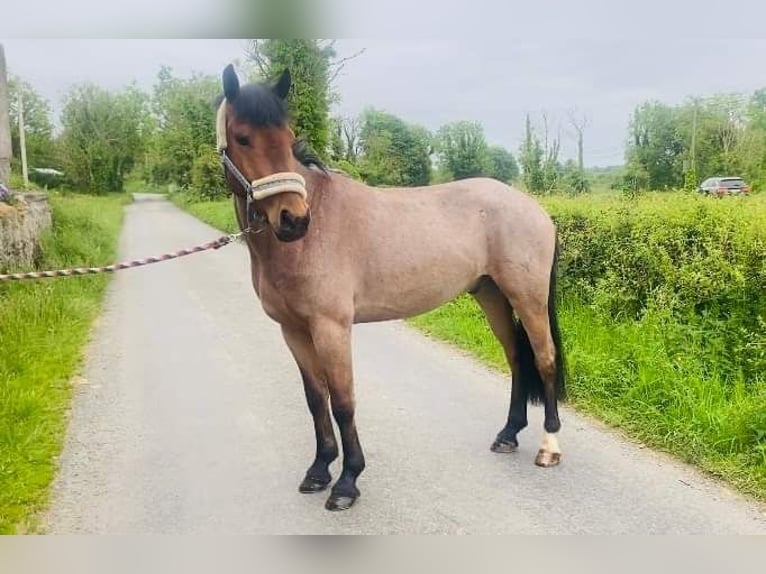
(528, 374)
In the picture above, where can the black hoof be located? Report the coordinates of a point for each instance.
(504, 446)
(339, 502)
(311, 485)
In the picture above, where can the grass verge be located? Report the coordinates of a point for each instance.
(44, 325)
(218, 213)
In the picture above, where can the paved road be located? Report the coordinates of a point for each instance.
(190, 418)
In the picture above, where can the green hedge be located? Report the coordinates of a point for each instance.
(694, 260)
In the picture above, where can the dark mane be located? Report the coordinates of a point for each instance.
(308, 157)
(258, 105)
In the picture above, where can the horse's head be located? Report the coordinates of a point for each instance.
(253, 124)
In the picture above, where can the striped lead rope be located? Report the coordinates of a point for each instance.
(217, 244)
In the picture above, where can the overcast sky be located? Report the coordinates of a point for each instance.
(495, 80)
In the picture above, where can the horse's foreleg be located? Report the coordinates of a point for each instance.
(318, 475)
(332, 341)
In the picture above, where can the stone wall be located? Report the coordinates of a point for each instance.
(20, 229)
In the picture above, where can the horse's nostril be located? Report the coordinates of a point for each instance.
(286, 220)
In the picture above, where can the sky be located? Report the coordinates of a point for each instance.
(493, 79)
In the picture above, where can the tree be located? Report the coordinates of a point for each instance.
(337, 147)
(531, 156)
(185, 130)
(463, 149)
(344, 139)
(38, 127)
(751, 147)
(579, 123)
(656, 146)
(716, 131)
(572, 175)
(313, 65)
(551, 168)
(102, 136)
(393, 152)
(502, 164)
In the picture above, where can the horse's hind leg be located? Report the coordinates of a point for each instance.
(318, 475)
(500, 318)
(540, 337)
(538, 351)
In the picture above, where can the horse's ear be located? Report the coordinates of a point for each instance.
(230, 83)
(282, 87)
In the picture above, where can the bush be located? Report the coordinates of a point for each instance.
(207, 180)
(348, 168)
(696, 260)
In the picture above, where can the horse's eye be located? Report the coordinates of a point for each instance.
(242, 140)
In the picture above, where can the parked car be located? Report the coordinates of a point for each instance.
(724, 186)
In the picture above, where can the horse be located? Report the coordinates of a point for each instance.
(327, 252)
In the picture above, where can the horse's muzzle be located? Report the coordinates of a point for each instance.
(292, 228)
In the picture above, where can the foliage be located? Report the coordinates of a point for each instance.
(393, 152)
(310, 63)
(605, 178)
(531, 158)
(695, 259)
(344, 139)
(337, 146)
(348, 168)
(540, 160)
(656, 145)
(463, 149)
(185, 127)
(44, 326)
(102, 136)
(501, 164)
(573, 179)
(207, 179)
(751, 146)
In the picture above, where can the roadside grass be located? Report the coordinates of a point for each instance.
(44, 326)
(218, 213)
(690, 385)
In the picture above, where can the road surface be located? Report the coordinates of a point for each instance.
(190, 418)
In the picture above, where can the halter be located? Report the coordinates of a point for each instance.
(258, 189)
